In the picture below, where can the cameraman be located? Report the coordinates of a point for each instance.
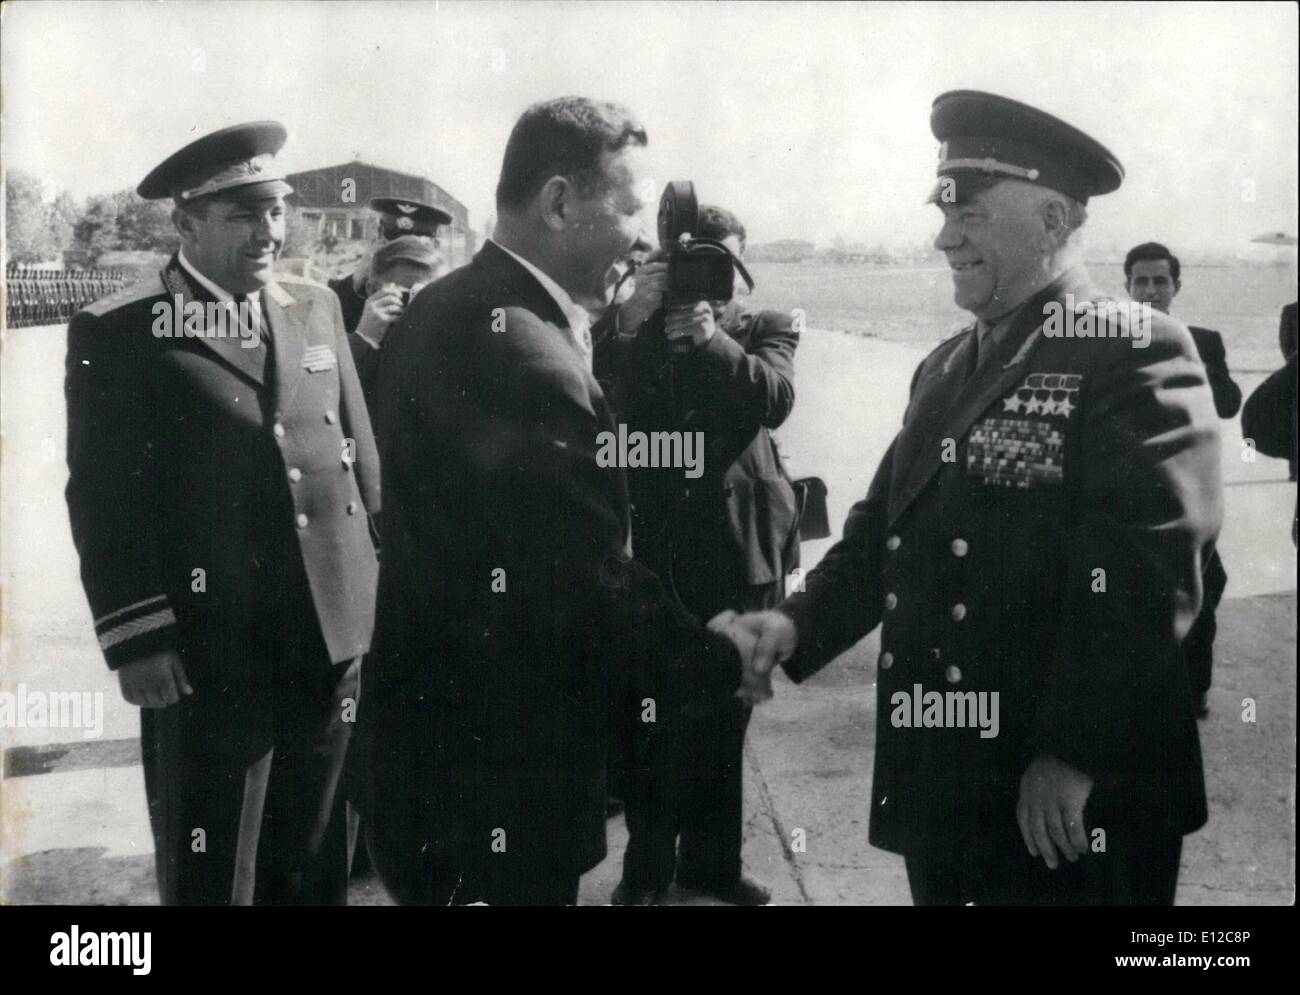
(398, 271)
(722, 541)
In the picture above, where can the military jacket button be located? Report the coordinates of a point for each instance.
(960, 547)
(330, 418)
(893, 542)
(953, 673)
(958, 612)
(278, 429)
(891, 601)
(302, 521)
(352, 507)
(886, 660)
(295, 474)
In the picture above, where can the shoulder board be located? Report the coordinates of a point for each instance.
(152, 287)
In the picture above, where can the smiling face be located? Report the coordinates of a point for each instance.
(996, 247)
(234, 243)
(604, 226)
(1150, 282)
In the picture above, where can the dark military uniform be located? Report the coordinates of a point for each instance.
(397, 217)
(1037, 531)
(218, 495)
(1071, 456)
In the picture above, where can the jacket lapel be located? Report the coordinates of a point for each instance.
(230, 349)
(920, 451)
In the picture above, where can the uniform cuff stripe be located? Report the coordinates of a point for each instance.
(154, 603)
(136, 627)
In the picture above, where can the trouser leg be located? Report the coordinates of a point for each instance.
(303, 857)
(711, 803)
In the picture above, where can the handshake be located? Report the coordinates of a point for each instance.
(763, 640)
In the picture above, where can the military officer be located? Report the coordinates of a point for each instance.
(1033, 543)
(221, 470)
(398, 218)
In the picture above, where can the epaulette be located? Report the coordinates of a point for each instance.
(152, 287)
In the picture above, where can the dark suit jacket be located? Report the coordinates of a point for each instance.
(351, 303)
(507, 598)
(978, 545)
(731, 529)
(1209, 346)
(194, 453)
(1287, 331)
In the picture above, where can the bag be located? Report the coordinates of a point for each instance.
(810, 500)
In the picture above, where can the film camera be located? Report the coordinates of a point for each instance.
(699, 269)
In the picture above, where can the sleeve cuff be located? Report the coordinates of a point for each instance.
(136, 630)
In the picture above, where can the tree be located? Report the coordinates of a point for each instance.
(144, 225)
(121, 221)
(63, 219)
(27, 219)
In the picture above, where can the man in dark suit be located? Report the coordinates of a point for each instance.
(221, 465)
(724, 540)
(398, 218)
(1033, 543)
(508, 598)
(1153, 275)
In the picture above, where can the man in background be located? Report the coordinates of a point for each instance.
(399, 269)
(1153, 275)
(723, 541)
(398, 218)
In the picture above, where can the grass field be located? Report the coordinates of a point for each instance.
(915, 304)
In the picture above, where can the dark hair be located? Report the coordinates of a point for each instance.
(719, 223)
(1150, 252)
(563, 137)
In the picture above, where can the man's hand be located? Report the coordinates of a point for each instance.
(764, 640)
(648, 288)
(1052, 797)
(154, 681)
(689, 327)
(383, 307)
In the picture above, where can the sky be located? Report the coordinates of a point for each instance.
(809, 120)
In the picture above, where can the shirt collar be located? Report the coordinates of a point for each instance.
(220, 293)
(576, 316)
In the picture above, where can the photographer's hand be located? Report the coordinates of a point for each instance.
(690, 327)
(383, 307)
(650, 284)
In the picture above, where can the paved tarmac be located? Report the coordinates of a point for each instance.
(73, 828)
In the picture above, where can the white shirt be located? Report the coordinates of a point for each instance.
(223, 295)
(577, 317)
